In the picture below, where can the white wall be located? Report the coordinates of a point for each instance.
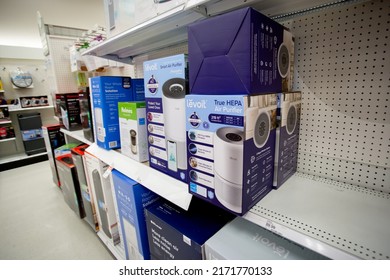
(18, 18)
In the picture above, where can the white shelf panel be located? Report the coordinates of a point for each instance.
(5, 122)
(16, 157)
(117, 251)
(338, 220)
(76, 134)
(7, 139)
(31, 108)
(158, 182)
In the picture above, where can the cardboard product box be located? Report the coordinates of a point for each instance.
(240, 52)
(106, 92)
(86, 194)
(99, 179)
(64, 149)
(131, 200)
(165, 91)
(53, 138)
(231, 148)
(86, 116)
(133, 132)
(287, 136)
(70, 184)
(243, 240)
(68, 110)
(122, 15)
(177, 234)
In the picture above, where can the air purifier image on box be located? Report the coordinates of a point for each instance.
(100, 201)
(133, 141)
(228, 162)
(262, 127)
(173, 98)
(131, 241)
(285, 60)
(100, 131)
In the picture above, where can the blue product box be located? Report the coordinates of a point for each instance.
(177, 234)
(165, 90)
(231, 148)
(106, 92)
(287, 136)
(131, 199)
(241, 52)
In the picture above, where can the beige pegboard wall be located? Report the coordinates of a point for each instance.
(342, 68)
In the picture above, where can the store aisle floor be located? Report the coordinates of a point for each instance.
(36, 223)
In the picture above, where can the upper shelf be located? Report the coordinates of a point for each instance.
(30, 108)
(170, 28)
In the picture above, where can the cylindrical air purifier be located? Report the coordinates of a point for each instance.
(228, 167)
(100, 131)
(97, 183)
(133, 141)
(173, 99)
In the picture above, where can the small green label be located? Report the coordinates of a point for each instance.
(128, 110)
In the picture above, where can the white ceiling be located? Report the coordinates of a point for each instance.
(18, 18)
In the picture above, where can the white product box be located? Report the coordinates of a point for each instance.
(133, 133)
(287, 136)
(100, 183)
(243, 240)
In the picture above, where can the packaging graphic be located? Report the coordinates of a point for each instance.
(86, 195)
(241, 52)
(64, 149)
(132, 198)
(287, 136)
(177, 234)
(243, 240)
(100, 183)
(68, 110)
(70, 184)
(53, 138)
(231, 147)
(106, 92)
(133, 133)
(86, 115)
(165, 91)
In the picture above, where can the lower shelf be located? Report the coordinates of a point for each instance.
(117, 251)
(7, 139)
(338, 220)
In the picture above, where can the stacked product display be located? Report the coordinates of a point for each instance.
(222, 119)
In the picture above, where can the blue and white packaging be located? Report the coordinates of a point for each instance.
(106, 92)
(240, 52)
(287, 136)
(165, 90)
(131, 199)
(177, 234)
(243, 240)
(231, 148)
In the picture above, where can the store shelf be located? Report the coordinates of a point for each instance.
(5, 122)
(30, 108)
(17, 157)
(76, 134)
(338, 220)
(170, 28)
(117, 251)
(7, 139)
(158, 182)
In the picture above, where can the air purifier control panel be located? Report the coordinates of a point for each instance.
(230, 147)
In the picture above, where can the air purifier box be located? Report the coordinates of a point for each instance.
(133, 133)
(231, 148)
(53, 138)
(106, 92)
(240, 52)
(177, 234)
(98, 175)
(64, 149)
(132, 198)
(86, 115)
(70, 184)
(248, 241)
(69, 111)
(287, 136)
(86, 196)
(165, 89)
